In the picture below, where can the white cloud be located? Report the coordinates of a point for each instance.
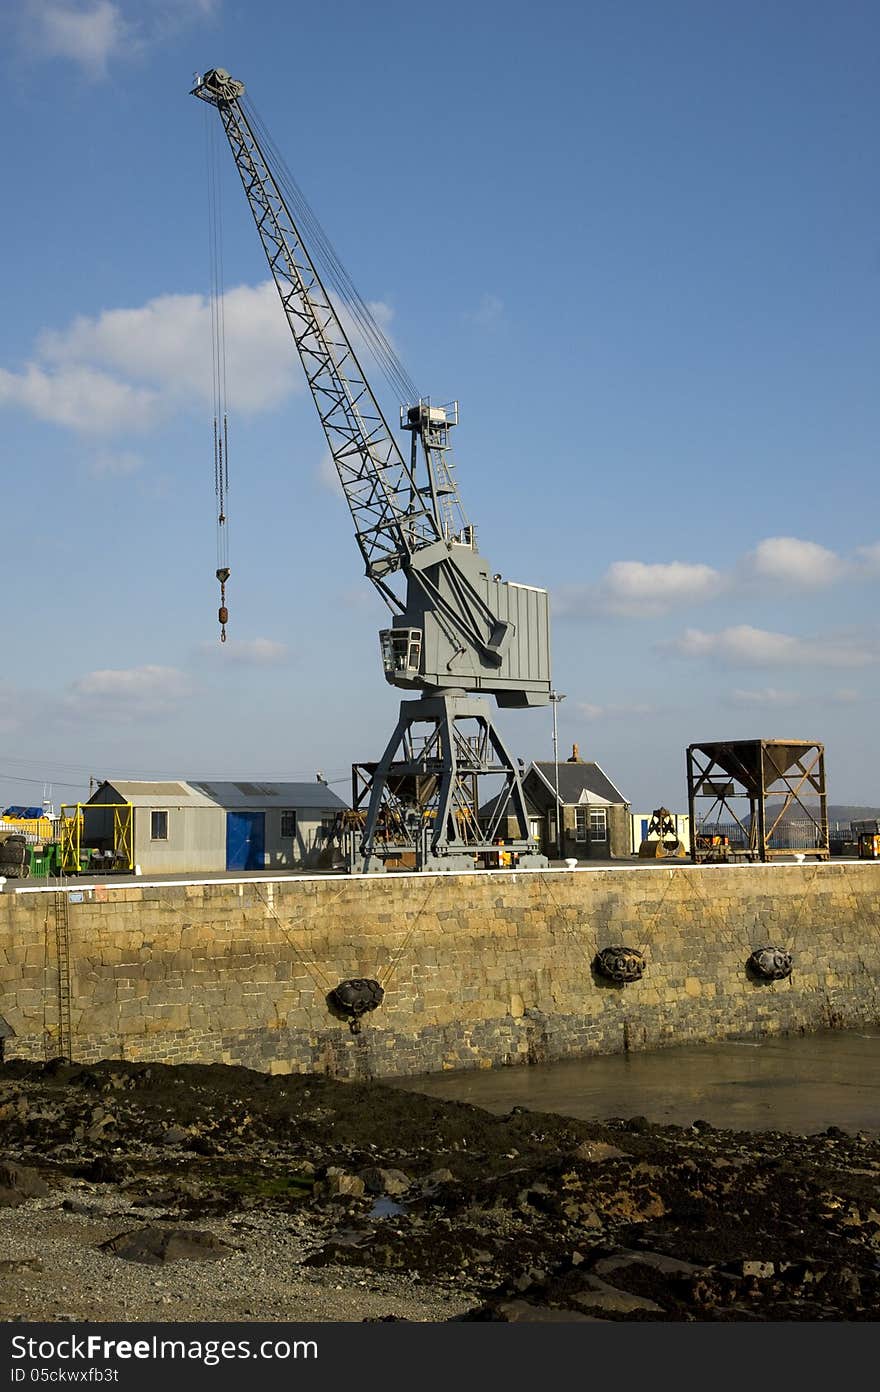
(489, 312)
(105, 464)
(328, 475)
(745, 646)
(613, 712)
(381, 312)
(868, 559)
(130, 369)
(89, 35)
(643, 589)
(166, 344)
(791, 561)
(769, 696)
(127, 694)
(255, 652)
(79, 397)
(92, 34)
(639, 589)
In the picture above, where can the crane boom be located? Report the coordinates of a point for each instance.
(391, 515)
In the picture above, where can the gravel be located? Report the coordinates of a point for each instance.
(60, 1273)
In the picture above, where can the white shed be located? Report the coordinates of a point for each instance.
(188, 827)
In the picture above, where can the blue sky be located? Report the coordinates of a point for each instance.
(639, 242)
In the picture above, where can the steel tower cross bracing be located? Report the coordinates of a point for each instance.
(460, 632)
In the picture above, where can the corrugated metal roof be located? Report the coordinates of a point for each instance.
(222, 793)
(141, 794)
(229, 794)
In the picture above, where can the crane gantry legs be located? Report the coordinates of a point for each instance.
(424, 793)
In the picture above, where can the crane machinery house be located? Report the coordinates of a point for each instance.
(180, 827)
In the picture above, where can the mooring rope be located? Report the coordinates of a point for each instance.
(732, 941)
(324, 983)
(789, 946)
(566, 929)
(392, 966)
(653, 924)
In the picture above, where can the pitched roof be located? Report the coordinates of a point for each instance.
(151, 794)
(231, 794)
(578, 782)
(223, 793)
(583, 783)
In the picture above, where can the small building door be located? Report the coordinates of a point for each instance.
(245, 840)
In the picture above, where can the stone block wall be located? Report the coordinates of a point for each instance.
(479, 970)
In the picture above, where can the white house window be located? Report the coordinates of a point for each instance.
(598, 824)
(158, 826)
(580, 824)
(288, 825)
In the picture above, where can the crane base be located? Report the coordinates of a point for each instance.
(424, 803)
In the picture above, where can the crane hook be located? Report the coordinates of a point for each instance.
(223, 612)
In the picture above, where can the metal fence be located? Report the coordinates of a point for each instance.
(799, 835)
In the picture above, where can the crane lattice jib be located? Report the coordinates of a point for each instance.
(391, 518)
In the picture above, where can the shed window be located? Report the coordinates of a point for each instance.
(598, 824)
(158, 826)
(288, 825)
(580, 824)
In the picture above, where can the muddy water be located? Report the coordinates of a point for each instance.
(801, 1084)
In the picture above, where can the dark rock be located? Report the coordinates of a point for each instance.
(657, 1261)
(156, 1246)
(522, 1312)
(18, 1183)
(379, 1181)
(598, 1151)
(599, 1295)
(103, 1170)
(438, 1177)
(175, 1136)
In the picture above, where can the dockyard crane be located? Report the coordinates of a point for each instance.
(459, 633)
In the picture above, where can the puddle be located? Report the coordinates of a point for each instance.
(385, 1208)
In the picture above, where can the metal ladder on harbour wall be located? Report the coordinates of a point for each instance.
(62, 958)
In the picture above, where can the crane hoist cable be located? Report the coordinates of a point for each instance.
(360, 316)
(358, 319)
(218, 368)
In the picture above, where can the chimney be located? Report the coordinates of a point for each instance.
(575, 756)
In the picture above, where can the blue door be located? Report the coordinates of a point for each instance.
(245, 840)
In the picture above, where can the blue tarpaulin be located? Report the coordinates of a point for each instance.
(24, 813)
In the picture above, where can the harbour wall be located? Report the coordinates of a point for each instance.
(478, 970)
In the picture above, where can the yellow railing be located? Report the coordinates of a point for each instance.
(72, 821)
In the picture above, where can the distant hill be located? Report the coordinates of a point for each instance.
(843, 812)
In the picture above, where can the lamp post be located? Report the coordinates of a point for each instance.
(556, 697)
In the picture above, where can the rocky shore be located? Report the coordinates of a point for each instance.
(149, 1192)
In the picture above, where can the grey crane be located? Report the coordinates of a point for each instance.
(459, 632)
